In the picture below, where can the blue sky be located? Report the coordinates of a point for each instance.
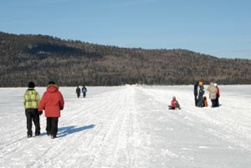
(220, 28)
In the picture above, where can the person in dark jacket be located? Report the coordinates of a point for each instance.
(31, 100)
(52, 102)
(201, 93)
(196, 85)
(78, 91)
(84, 90)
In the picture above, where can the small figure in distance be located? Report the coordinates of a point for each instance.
(212, 93)
(84, 90)
(217, 95)
(196, 85)
(201, 92)
(205, 101)
(174, 104)
(78, 91)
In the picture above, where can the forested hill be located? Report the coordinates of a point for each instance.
(42, 58)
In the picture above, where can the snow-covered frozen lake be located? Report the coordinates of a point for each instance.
(131, 127)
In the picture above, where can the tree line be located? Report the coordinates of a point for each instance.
(42, 58)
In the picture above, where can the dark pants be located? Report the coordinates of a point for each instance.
(78, 94)
(214, 102)
(200, 102)
(32, 115)
(52, 126)
(217, 101)
(84, 94)
(195, 100)
(171, 108)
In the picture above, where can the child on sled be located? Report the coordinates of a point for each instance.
(174, 104)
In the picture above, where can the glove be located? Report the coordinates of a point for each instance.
(61, 108)
(40, 112)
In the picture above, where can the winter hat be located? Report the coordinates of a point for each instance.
(215, 84)
(174, 97)
(51, 83)
(31, 85)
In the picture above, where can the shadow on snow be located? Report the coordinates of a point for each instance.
(64, 131)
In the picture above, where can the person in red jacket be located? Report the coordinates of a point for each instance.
(52, 102)
(217, 95)
(174, 104)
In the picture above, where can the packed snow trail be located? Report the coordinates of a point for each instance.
(131, 126)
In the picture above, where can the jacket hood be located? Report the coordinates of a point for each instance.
(52, 88)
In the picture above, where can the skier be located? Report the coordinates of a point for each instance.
(84, 90)
(31, 101)
(78, 91)
(52, 102)
(174, 104)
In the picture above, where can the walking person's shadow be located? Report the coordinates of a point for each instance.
(64, 131)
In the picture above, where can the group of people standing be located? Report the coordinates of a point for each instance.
(84, 90)
(201, 100)
(52, 103)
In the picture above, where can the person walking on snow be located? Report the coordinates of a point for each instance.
(84, 90)
(78, 91)
(174, 104)
(52, 102)
(31, 100)
(212, 93)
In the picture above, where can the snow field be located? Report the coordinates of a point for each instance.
(131, 126)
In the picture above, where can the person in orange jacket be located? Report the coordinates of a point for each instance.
(52, 102)
(174, 104)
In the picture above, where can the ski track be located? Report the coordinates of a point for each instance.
(131, 126)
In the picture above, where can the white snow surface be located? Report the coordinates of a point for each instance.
(131, 127)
